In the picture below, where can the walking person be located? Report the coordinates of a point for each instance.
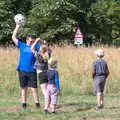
(100, 73)
(53, 88)
(25, 68)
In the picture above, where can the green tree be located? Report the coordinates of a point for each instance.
(56, 18)
(103, 19)
(20, 6)
(5, 21)
(8, 9)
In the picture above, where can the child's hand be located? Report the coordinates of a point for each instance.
(37, 39)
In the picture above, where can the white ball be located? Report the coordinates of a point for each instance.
(19, 19)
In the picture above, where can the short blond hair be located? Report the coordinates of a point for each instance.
(99, 52)
(52, 63)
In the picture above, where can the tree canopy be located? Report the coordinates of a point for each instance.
(55, 20)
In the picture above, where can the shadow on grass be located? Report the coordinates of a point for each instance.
(66, 110)
(62, 108)
(83, 109)
(112, 107)
(75, 107)
(79, 104)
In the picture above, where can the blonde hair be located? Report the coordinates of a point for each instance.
(44, 52)
(52, 63)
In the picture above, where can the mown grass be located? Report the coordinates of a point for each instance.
(77, 101)
(71, 107)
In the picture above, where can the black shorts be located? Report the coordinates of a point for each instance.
(43, 78)
(27, 79)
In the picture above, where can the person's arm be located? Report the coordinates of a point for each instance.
(93, 73)
(33, 45)
(93, 70)
(57, 83)
(107, 71)
(14, 38)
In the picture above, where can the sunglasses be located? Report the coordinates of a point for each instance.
(31, 42)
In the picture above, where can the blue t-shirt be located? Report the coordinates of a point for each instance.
(26, 58)
(53, 78)
(100, 67)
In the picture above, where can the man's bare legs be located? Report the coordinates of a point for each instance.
(36, 97)
(24, 97)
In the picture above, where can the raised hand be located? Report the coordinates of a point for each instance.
(37, 39)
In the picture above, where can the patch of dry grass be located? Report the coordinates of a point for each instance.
(75, 66)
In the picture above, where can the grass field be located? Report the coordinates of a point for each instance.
(77, 101)
(71, 107)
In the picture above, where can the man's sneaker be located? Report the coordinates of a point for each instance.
(46, 111)
(53, 112)
(102, 106)
(24, 106)
(99, 107)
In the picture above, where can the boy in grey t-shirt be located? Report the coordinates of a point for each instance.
(99, 74)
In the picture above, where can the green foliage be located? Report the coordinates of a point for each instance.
(104, 21)
(20, 6)
(9, 8)
(5, 20)
(54, 20)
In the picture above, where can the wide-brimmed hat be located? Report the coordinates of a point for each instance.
(99, 52)
(52, 63)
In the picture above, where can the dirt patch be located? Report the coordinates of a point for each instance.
(71, 108)
(85, 118)
(61, 108)
(83, 109)
(9, 109)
